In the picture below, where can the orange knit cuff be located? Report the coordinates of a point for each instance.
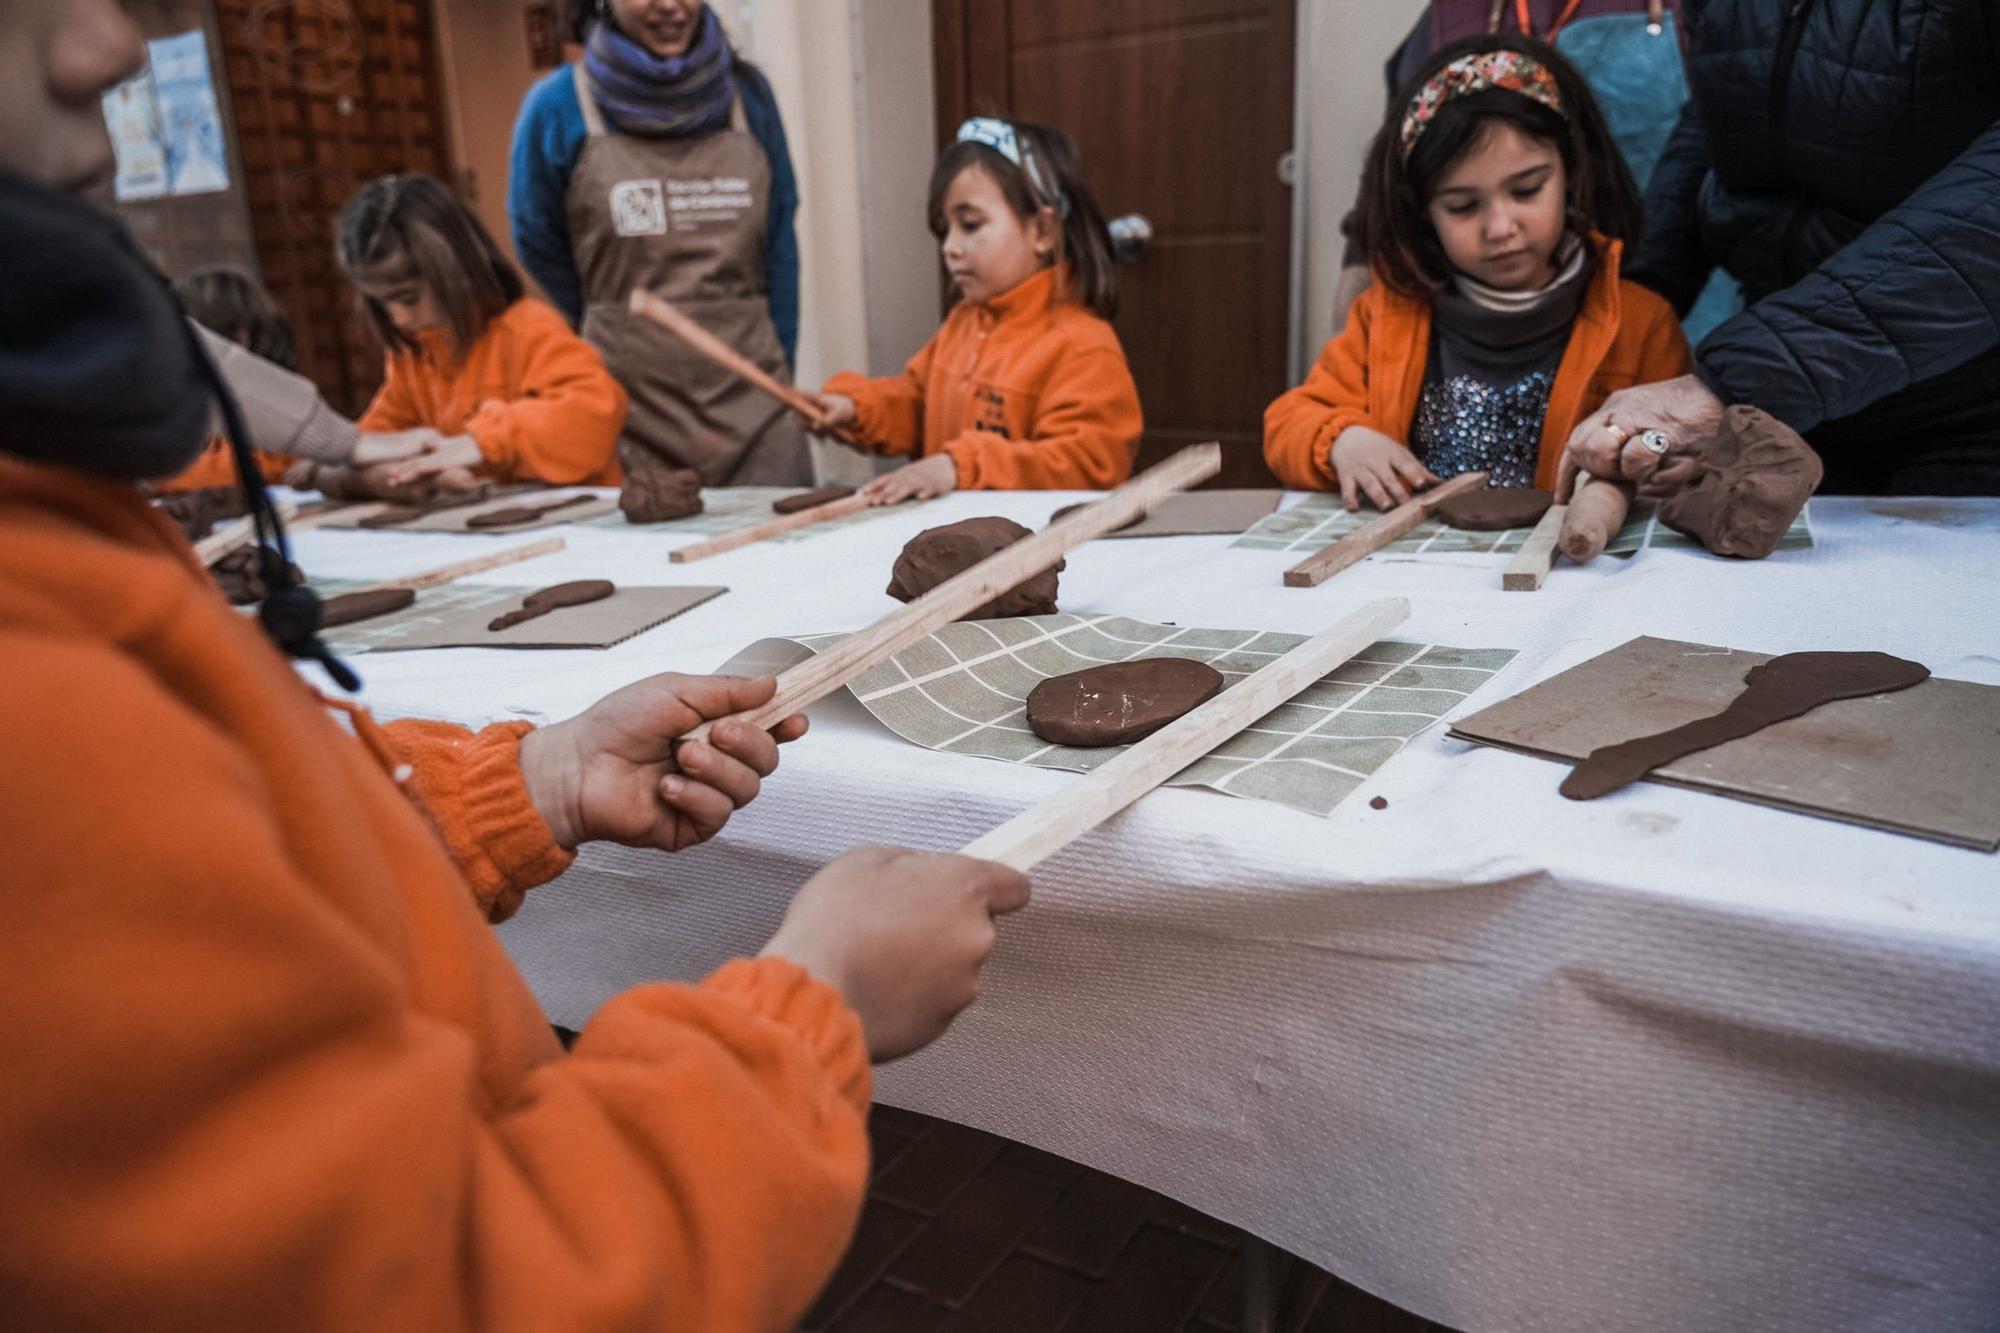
(786, 993)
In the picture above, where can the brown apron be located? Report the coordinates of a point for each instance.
(685, 219)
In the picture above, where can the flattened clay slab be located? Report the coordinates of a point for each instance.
(515, 515)
(1920, 761)
(1789, 685)
(349, 608)
(1495, 509)
(660, 495)
(793, 504)
(1119, 702)
(404, 515)
(582, 592)
(936, 554)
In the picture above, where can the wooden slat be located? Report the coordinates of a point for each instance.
(1364, 541)
(775, 526)
(1045, 829)
(459, 569)
(817, 677)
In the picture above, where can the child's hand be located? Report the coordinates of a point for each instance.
(836, 411)
(459, 454)
(936, 475)
(377, 447)
(1370, 463)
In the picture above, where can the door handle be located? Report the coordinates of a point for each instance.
(1131, 237)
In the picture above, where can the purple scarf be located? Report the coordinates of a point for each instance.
(641, 93)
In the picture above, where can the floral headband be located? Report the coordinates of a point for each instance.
(1001, 138)
(1511, 70)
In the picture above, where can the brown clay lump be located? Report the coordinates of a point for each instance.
(1495, 509)
(1737, 493)
(552, 599)
(1787, 686)
(937, 554)
(1119, 702)
(660, 495)
(792, 504)
(350, 607)
(508, 517)
(1378, 803)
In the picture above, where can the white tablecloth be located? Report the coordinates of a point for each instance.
(1664, 1061)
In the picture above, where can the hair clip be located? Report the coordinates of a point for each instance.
(1001, 137)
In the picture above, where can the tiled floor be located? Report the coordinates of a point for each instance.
(966, 1232)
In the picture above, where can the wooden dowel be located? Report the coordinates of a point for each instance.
(668, 317)
(1530, 565)
(234, 535)
(459, 569)
(770, 527)
(1004, 570)
(1364, 541)
(1046, 828)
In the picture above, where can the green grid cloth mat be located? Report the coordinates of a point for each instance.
(1319, 520)
(729, 509)
(963, 691)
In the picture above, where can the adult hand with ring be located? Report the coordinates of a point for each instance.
(1637, 429)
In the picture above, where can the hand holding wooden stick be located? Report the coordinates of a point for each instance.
(667, 316)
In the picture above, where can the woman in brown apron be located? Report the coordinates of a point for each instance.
(658, 161)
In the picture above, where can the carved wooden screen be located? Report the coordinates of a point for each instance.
(328, 94)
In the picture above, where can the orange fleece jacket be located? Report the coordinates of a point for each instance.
(267, 1065)
(1372, 372)
(536, 397)
(216, 466)
(1026, 392)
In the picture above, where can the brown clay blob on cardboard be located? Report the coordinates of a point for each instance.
(794, 504)
(351, 607)
(1119, 702)
(240, 575)
(660, 495)
(1788, 685)
(579, 593)
(508, 517)
(1737, 493)
(1495, 509)
(937, 554)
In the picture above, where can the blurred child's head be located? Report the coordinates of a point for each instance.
(1007, 200)
(234, 304)
(422, 261)
(57, 60)
(1490, 156)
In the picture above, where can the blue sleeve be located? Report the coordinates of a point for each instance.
(1913, 296)
(781, 237)
(548, 140)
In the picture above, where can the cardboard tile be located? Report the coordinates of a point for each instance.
(1203, 514)
(455, 519)
(627, 612)
(1923, 761)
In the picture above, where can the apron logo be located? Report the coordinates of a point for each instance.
(639, 208)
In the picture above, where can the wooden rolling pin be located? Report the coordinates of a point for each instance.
(1045, 829)
(1595, 512)
(667, 316)
(1364, 541)
(1004, 570)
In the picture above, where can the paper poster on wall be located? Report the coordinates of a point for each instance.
(130, 113)
(189, 118)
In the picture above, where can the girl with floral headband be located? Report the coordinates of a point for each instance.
(1496, 206)
(1026, 386)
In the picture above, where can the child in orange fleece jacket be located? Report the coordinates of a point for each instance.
(280, 1072)
(1494, 204)
(1025, 387)
(519, 396)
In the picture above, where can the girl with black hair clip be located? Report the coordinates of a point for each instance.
(1025, 387)
(1496, 206)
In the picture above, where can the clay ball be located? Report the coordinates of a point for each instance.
(937, 554)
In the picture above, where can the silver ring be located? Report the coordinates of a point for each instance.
(1656, 440)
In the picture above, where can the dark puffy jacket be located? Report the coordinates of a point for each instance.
(1841, 158)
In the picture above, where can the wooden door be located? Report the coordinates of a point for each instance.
(1182, 110)
(328, 95)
